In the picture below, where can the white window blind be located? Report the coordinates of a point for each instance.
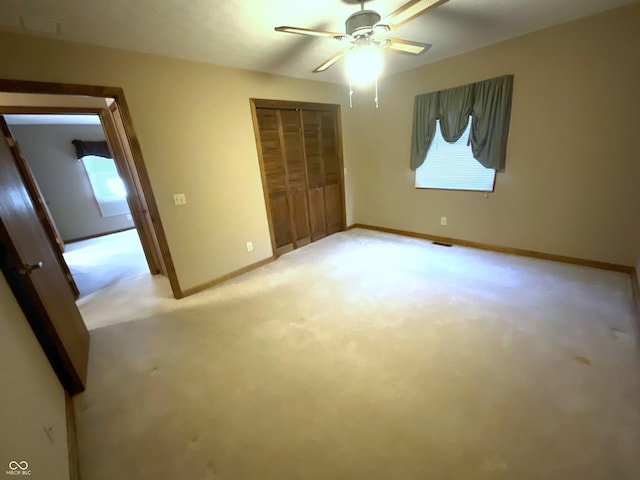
(451, 166)
(107, 185)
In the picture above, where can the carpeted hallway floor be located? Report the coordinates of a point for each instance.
(369, 356)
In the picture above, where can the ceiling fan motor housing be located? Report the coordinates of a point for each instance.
(361, 23)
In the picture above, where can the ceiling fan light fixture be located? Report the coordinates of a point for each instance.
(366, 38)
(364, 64)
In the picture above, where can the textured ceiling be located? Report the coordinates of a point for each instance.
(239, 33)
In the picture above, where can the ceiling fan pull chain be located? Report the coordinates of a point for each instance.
(376, 93)
(350, 95)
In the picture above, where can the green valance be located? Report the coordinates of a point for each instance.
(84, 148)
(487, 102)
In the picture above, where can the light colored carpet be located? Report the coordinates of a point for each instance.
(371, 356)
(99, 262)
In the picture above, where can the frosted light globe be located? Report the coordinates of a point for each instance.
(364, 64)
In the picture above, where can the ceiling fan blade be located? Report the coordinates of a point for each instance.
(308, 31)
(330, 62)
(407, 47)
(409, 11)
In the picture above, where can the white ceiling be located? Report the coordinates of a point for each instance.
(239, 33)
(36, 119)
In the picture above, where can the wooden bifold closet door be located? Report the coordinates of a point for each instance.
(300, 159)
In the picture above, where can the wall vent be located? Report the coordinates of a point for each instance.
(442, 244)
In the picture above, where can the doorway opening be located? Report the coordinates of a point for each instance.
(85, 197)
(80, 252)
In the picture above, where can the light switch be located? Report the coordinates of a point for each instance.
(179, 199)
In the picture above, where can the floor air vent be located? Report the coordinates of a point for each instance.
(442, 244)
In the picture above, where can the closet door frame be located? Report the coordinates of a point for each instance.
(293, 105)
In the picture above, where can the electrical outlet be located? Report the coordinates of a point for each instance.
(249, 246)
(443, 221)
(179, 199)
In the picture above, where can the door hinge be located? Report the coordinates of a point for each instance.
(10, 141)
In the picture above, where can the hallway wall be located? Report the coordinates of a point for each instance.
(31, 400)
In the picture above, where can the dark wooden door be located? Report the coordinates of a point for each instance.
(315, 173)
(39, 204)
(332, 174)
(274, 177)
(300, 155)
(296, 175)
(30, 264)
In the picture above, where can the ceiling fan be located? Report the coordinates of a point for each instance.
(367, 30)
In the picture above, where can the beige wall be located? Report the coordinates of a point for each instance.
(63, 180)
(573, 163)
(31, 398)
(194, 125)
(568, 188)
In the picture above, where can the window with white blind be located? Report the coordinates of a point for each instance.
(108, 187)
(451, 166)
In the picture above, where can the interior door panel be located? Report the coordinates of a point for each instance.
(39, 204)
(30, 264)
(296, 174)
